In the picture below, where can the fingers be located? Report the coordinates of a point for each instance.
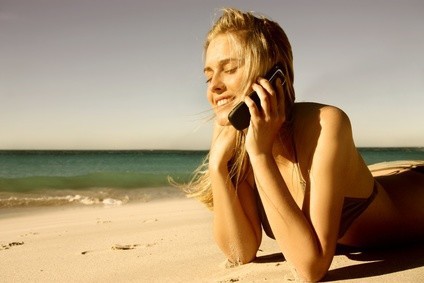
(222, 148)
(268, 98)
(281, 109)
(265, 102)
(272, 102)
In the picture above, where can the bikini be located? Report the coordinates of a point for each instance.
(352, 207)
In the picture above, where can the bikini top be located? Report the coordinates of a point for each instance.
(352, 208)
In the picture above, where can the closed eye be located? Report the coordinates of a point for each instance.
(231, 71)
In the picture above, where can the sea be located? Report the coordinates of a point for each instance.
(114, 178)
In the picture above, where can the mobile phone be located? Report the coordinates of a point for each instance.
(239, 117)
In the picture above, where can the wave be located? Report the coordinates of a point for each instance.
(86, 197)
(106, 189)
(20, 201)
(93, 180)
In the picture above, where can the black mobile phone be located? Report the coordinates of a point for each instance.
(239, 117)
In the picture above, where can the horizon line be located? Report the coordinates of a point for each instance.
(176, 149)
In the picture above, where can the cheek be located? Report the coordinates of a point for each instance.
(209, 97)
(238, 87)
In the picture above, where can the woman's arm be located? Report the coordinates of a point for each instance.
(237, 227)
(306, 236)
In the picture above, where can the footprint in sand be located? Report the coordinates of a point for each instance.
(150, 220)
(229, 280)
(124, 247)
(131, 247)
(103, 221)
(29, 234)
(9, 245)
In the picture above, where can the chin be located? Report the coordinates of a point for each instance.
(222, 115)
(223, 121)
(222, 118)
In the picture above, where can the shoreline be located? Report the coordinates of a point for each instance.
(86, 197)
(163, 240)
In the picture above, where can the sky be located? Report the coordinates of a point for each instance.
(127, 74)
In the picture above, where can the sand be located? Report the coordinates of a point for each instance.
(161, 241)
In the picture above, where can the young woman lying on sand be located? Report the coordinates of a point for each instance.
(295, 170)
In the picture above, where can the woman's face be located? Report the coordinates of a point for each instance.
(224, 74)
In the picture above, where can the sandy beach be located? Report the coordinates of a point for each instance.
(161, 241)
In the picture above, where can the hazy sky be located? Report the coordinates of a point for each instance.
(127, 74)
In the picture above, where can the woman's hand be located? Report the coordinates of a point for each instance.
(265, 123)
(223, 145)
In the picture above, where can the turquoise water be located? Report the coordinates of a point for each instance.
(34, 178)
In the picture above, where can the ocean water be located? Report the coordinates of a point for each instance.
(46, 178)
(52, 178)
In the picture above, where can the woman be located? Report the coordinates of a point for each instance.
(295, 170)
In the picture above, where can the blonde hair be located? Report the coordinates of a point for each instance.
(261, 43)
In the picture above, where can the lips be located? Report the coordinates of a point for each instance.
(224, 101)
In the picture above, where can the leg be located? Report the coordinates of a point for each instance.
(406, 190)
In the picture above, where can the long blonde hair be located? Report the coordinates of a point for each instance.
(261, 43)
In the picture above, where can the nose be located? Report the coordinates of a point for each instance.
(216, 84)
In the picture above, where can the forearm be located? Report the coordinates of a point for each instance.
(234, 232)
(294, 233)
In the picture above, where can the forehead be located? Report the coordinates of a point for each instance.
(221, 48)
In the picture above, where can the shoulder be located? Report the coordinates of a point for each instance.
(333, 118)
(322, 119)
(320, 122)
(324, 132)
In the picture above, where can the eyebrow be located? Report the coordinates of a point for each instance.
(222, 62)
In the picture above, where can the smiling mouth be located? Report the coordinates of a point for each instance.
(223, 102)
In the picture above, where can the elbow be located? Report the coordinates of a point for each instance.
(239, 256)
(314, 277)
(238, 250)
(315, 273)
(248, 257)
(242, 259)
